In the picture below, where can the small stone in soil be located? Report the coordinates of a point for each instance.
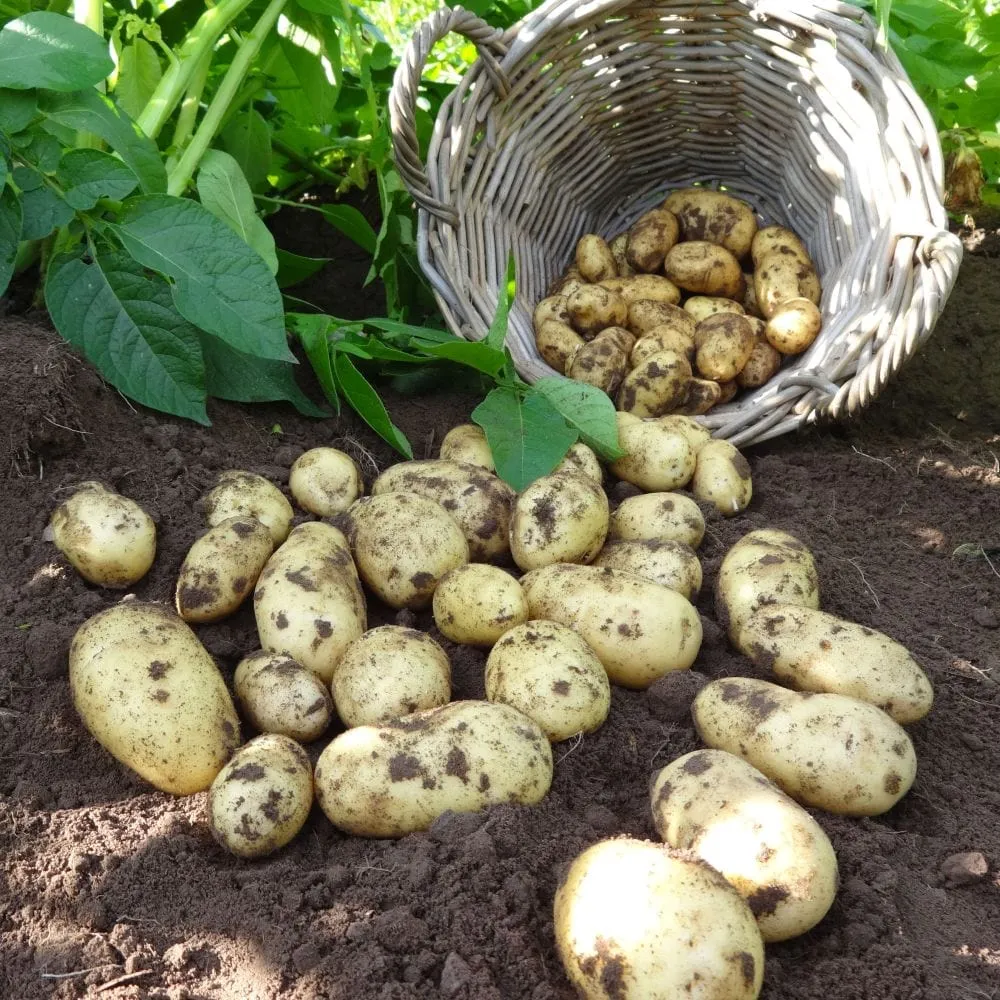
(986, 618)
(965, 868)
(455, 974)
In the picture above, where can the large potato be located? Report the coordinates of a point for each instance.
(618, 336)
(638, 629)
(778, 238)
(780, 277)
(649, 239)
(557, 343)
(793, 326)
(308, 602)
(656, 385)
(245, 494)
(724, 343)
(325, 481)
(150, 694)
(714, 216)
(825, 750)
(658, 458)
(697, 435)
(593, 308)
(581, 461)
(600, 363)
(668, 563)
(594, 258)
(649, 287)
(645, 315)
(639, 921)
(703, 306)
(722, 478)
(476, 604)
(811, 650)
(390, 780)
(467, 443)
(663, 517)
(767, 847)
(663, 338)
(704, 268)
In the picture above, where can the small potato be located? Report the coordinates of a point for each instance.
(714, 216)
(704, 268)
(618, 335)
(557, 343)
(593, 308)
(558, 518)
(594, 259)
(762, 842)
(582, 461)
(698, 435)
(551, 309)
(639, 921)
(780, 277)
(793, 326)
(722, 478)
(546, 671)
(645, 315)
(824, 750)
(658, 458)
(811, 650)
(245, 494)
(651, 288)
(618, 247)
(701, 395)
(703, 306)
(665, 517)
(395, 779)
(724, 343)
(656, 386)
(279, 695)
(109, 539)
(390, 671)
(772, 239)
(668, 563)
(762, 365)
(649, 239)
(663, 338)
(600, 363)
(467, 443)
(325, 481)
(727, 390)
(476, 604)
(262, 797)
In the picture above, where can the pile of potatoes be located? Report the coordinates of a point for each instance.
(690, 305)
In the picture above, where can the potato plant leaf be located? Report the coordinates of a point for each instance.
(10, 234)
(247, 138)
(585, 408)
(293, 268)
(17, 108)
(87, 175)
(42, 209)
(139, 72)
(352, 224)
(44, 49)
(364, 400)
(313, 332)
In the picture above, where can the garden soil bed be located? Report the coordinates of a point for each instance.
(109, 889)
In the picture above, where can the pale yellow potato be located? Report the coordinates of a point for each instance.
(714, 216)
(618, 247)
(568, 282)
(663, 338)
(594, 308)
(781, 239)
(638, 629)
(766, 846)
(150, 694)
(646, 315)
(245, 494)
(762, 365)
(750, 297)
(582, 461)
(811, 650)
(395, 779)
(698, 435)
(780, 277)
(550, 309)
(262, 797)
(614, 284)
(325, 481)
(703, 306)
(467, 443)
(557, 343)
(724, 343)
(636, 920)
(221, 568)
(657, 457)
(722, 478)
(279, 695)
(109, 539)
(826, 751)
(618, 335)
(655, 386)
(558, 518)
(546, 671)
(668, 563)
(665, 517)
(476, 604)
(650, 288)
(388, 672)
(649, 239)
(702, 394)
(793, 326)
(594, 258)
(704, 268)
(600, 363)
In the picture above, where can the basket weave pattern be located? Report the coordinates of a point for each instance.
(582, 116)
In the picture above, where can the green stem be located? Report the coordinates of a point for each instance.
(304, 163)
(91, 14)
(188, 113)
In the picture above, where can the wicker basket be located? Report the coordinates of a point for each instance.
(581, 116)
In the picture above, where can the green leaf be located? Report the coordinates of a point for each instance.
(527, 436)
(478, 355)
(39, 149)
(586, 409)
(42, 210)
(407, 330)
(313, 332)
(17, 108)
(364, 400)
(498, 328)
(352, 224)
(314, 98)
(125, 323)
(224, 191)
(87, 175)
(293, 268)
(220, 284)
(247, 139)
(10, 234)
(49, 50)
(139, 72)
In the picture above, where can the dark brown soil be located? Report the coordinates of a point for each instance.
(110, 889)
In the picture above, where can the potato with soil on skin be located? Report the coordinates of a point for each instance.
(262, 797)
(697, 435)
(645, 315)
(649, 288)
(658, 458)
(649, 239)
(567, 283)
(826, 751)
(600, 363)
(762, 365)
(245, 494)
(636, 920)
(793, 326)
(395, 779)
(618, 247)
(593, 308)
(701, 395)
(467, 443)
(546, 671)
(557, 343)
(581, 461)
(705, 269)
(749, 301)
(108, 538)
(325, 481)
(550, 309)
(781, 277)
(655, 386)
(719, 218)
(221, 568)
(722, 478)
(811, 650)
(619, 336)
(638, 629)
(760, 840)
(724, 343)
(594, 259)
(670, 564)
(663, 338)
(279, 695)
(666, 517)
(476, 604)
(773, 239)
(703, 306)
(150, 694)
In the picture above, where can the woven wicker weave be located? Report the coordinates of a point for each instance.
(581, 116)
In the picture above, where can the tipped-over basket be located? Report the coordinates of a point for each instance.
(580, 117)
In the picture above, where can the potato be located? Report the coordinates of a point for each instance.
(701, 395)
(727, 390)
(619, 336)
(703, 306)
(762, 365)
(649, 239)
(638, 629)
(557, 343)
(645, 315)
(478, 501)
(221, 568)
(750, 297)
(722, 478)
(705, 268)
(780, 277)
(697, 435)
(664, 517)
(467, 443)
(715, 217)
(308, 602)
(618, 247)
(658, 458)
(279, 695)
(395, 779)
(668, 563)
(109, 539)
(793, 326)
(388, 672)
(811, 650)
(764, 567)
(550, 309)
(582, 461)
(600, 363)
(262, 797)
(614, 284)
(825, 750)
(638, 921)
(476, 604)
(663, 338)
(656, 385)
(245, 494)
(149, 693)
(593, 308)
(568, 282)
(724, 343)
(558, 518)
(649, 288)
(325, 481)
(778, 238)
(762, 842)
(546, 671)
(594, 259)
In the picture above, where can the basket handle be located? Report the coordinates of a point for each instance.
(406, 84)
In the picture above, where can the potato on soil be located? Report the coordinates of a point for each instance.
(618, 247)
(550, 309)
(663, 338)
(394, 779)
(666, 517)
(724, 343)
(656, 385)
(546, 671)
(640, 921)
(649, 239)
(780, 277)
(762, 842)
(793, 326)
(467, 443)
(651, 288)
(703, 306)
(658, 458)
(150, 694)
(668, 563)
(722, 478)
(557, 343)
(705, 269)
(262, 797)
(827, 751)
(325, 481)
(245, 494)
(581, 460)
(594, 258)
(811, 650)
(109, 539)
(279, 695)
(714, 216)
(600, 363)
(593, 308)
(476, 604)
